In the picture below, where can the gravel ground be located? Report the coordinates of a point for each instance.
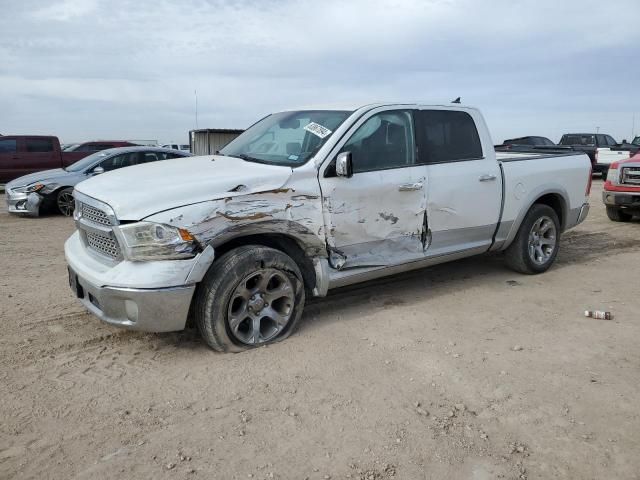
(465, 370)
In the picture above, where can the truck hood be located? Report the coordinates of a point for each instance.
(142, 190)
(46, 176)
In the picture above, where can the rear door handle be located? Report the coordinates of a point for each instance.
(487, 178)
(410, 187)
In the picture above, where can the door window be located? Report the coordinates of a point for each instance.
(39, 145)
(120, 161)
(384, 141)
(611, 141)
(8, 145)
(447, 136)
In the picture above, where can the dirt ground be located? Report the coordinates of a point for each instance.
(462, 371)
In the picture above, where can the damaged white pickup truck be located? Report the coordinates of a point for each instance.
(306, 201)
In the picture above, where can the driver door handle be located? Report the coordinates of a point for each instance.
(410, 187)
(487, 178)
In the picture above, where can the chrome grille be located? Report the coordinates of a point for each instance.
(631, 175)
(103, 244)
(94, 215)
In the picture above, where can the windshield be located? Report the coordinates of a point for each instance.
(70, 148)
(286, 138)
(578, 140)
(86, 162)
(636, 141)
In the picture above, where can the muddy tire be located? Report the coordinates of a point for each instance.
(251, 296)
(65, 201)
(618, 215)
(536, 245)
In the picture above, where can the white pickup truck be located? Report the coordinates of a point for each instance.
(307, 201)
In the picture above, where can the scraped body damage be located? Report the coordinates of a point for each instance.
(371, 221)
(294, 212)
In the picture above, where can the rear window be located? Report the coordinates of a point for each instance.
(588, 140)
(39, 145)
(446, 136)
(8, 145)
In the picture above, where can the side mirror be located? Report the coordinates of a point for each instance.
(344, 165)
(98, 171)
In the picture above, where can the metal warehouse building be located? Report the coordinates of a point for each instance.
(207, 141)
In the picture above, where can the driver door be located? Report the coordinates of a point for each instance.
(376, 216)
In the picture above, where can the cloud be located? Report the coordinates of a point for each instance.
(130, 68)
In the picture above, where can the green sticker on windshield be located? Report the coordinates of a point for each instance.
(317, 129)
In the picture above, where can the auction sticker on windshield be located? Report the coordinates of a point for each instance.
(317, 129)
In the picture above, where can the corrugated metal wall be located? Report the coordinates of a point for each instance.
(207, 142)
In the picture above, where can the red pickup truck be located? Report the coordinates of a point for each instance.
(24, 154)
(621, 193)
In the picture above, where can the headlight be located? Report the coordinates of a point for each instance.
(34, 187)
(612, 175)
(155, 241)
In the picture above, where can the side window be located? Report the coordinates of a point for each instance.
(8, 145)
(602, 141)
(39, 145)
(447, 136)
(120, 161)
(147, 157)
(384, 141)
(611, 141)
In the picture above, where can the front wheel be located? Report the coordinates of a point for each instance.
(618, 215)
(536, 245)
(251, 296)
(65, 201)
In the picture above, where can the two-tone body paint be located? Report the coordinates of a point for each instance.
(352, 229)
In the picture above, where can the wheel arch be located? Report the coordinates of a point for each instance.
(286, 243)
(557, 199)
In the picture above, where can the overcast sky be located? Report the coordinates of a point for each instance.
(88, 69)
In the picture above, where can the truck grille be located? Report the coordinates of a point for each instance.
(103, 244)
(94, 225)
(631, 175)
(94, 215)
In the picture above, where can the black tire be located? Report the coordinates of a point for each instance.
(65, 202)
(213, 299)
(518, 256)
(618, 215)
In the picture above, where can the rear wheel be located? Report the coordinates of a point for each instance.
(65, 201)
(536, 245)
(251, 296)
(618, 215)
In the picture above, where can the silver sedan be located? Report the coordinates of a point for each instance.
(53, 189)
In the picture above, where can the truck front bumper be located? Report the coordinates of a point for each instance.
(145, 296)
(146, 310)
(621, 199)
(27, 204)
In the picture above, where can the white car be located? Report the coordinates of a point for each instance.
(306, 201)
(177, 146)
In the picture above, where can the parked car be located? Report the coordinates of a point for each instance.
(34, 193)
(530, 143)
(177, 146)
(99, 145)
(600, 148)
(24, 154)
(621, 194)
(307, 201)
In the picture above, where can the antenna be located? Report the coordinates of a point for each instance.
(195, 93)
